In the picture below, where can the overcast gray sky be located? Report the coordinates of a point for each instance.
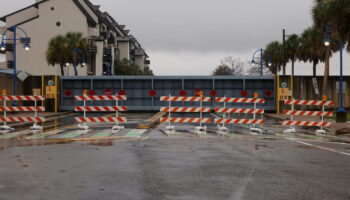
(189, 37)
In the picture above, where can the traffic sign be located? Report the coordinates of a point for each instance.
(213, 93)
(315, 84)
(50, 83)
(338, 88)
(284, 85)
(183, 93)
(244, 93)
(152, 93)
(51, 92)
(283, 94)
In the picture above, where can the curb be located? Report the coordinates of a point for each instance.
(151, 122)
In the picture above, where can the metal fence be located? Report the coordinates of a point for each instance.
(137, 89)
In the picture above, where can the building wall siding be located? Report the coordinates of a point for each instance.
(42, 29)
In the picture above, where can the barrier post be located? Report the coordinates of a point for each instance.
(5, 126)
(84, 126)
(35, 125)
(291, 127)
(253, 128)
(222, 129)
(321, 130)
(117, 127)
(170, 127)
(200, 129)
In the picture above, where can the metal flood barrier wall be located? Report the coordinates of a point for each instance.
(138, 89)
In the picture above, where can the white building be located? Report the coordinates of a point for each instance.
(46, 19)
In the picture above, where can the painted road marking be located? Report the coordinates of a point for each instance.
(14, 134)
(135, 133)
(73, 134)
(45, 134)
(104, 133)
(324, 148)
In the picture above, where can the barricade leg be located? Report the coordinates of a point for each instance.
(170, 127)
(117, 127)
(35, 125)
(84, 126)
(291, 128)
(201, 129)
(5, 126)
(253, 128)
(321, 131)
(222, 129)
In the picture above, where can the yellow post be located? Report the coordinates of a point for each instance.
(56, 99)
(42, 89)
(277, 98)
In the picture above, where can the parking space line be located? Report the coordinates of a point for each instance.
(45, 134)
(73, 134)
(324, 148)
(135, 133)
(14, 134)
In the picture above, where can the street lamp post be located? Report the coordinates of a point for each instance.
(25, 41)
(76, 59)
(261, 61)
(341, 114)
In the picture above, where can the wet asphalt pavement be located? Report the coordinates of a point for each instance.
(184, 165)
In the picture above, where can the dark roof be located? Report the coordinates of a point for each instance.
(103, 17)
(33, 5)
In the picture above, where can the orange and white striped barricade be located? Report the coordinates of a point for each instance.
(84, 120)
(291, 123)
(34, 109)
(252, 122)
(201, 129)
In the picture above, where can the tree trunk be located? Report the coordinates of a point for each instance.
(326, 72)
(62, 70)
(314, 64)
(292, 81)
(284, 70)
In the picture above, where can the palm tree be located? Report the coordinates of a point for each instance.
(58, 52)
(312, 48)
(292, 49)
(334, 14)
(77, 45)
(274, 55)
(61, 50)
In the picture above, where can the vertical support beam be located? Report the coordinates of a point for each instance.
(261, 62)
(152, 89)
(56, 98)
(42, 89)
(14, 63)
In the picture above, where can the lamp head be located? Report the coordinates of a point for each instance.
(83, 64)
(67, 64)
(3, 46)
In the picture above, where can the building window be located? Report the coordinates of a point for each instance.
(58, 23)
(52, 8)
